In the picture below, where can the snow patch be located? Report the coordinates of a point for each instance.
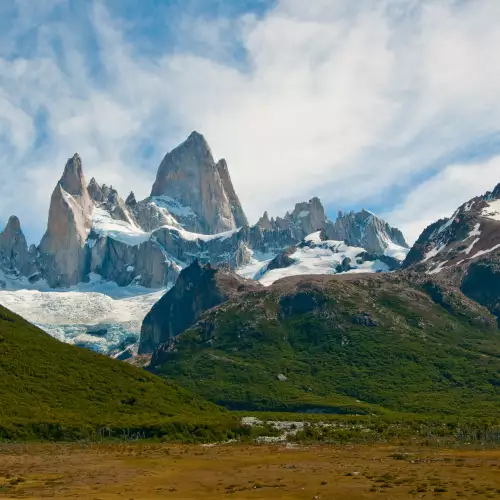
(447, 224)
(188, 236)
(468, 206)
(468, 250)
(104, 225)
(323, 258)
(257, 265)
(492, 211)
(432, 253)
(440, 267)
(475, 231)
(173, 206)
(314, 238)
(484, 252)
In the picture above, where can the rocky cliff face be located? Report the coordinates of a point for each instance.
(198, 288)
(464, 250)
(197, 191)
(306, 218)
(472, 232)
(357, 229)
(234, 202)
(193, 213)
(364, 229)
(62, 249)
(14, 253)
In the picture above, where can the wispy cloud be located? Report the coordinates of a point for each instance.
(352, 101)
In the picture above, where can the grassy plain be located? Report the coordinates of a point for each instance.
(150, 471)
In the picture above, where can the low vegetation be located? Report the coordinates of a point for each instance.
(377, 345)
(51, 390)
(145, 470)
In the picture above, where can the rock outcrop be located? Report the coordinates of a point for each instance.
(62, 249)
(198, 288)
(357, 229)
(464, 250)
(131, 201)
(306, 218)
(234, 202)
(14, 253)
(197, 191)
(449, 246)
(193, 213)
(366, 230)
(95, 191)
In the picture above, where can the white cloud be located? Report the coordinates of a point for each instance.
(346, 100)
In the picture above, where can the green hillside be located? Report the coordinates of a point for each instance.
(351, 344)
(53, 390)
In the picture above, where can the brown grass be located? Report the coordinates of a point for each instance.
(147, 471)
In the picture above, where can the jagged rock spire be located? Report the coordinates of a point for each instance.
(131, 201)
(95, 191)
(14, 253)
(199, 192)
(73, 180)
(264, 222)
(62, 249)
(13, 226)
(236, 208)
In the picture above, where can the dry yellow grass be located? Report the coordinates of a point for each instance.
(146, 471)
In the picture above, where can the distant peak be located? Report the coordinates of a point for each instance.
(496, 192)
(95, 191)
(198, 141)
(222, 164)
(196, 136)
(13, 224)
(73, 180)
(131, 201)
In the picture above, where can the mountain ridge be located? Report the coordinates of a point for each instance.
(54, 391)
(91, 229)
(95, 236)
(347, 343)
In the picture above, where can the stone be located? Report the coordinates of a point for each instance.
(14, 252)
(237, 210)
(95, 191)
(199, 287)
(190, 181)
(63, 255)
(131, 201)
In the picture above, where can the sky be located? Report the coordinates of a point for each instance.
(388, 105)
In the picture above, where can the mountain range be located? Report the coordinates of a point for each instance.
(97, 241)
(105, 261)
(292, 313)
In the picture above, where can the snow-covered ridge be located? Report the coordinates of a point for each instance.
(173, 206)
(129, 233)
(315, 256)
(126, 232)
(160, 236)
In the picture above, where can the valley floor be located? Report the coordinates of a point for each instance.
(147, 471)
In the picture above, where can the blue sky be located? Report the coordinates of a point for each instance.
(390, 105)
